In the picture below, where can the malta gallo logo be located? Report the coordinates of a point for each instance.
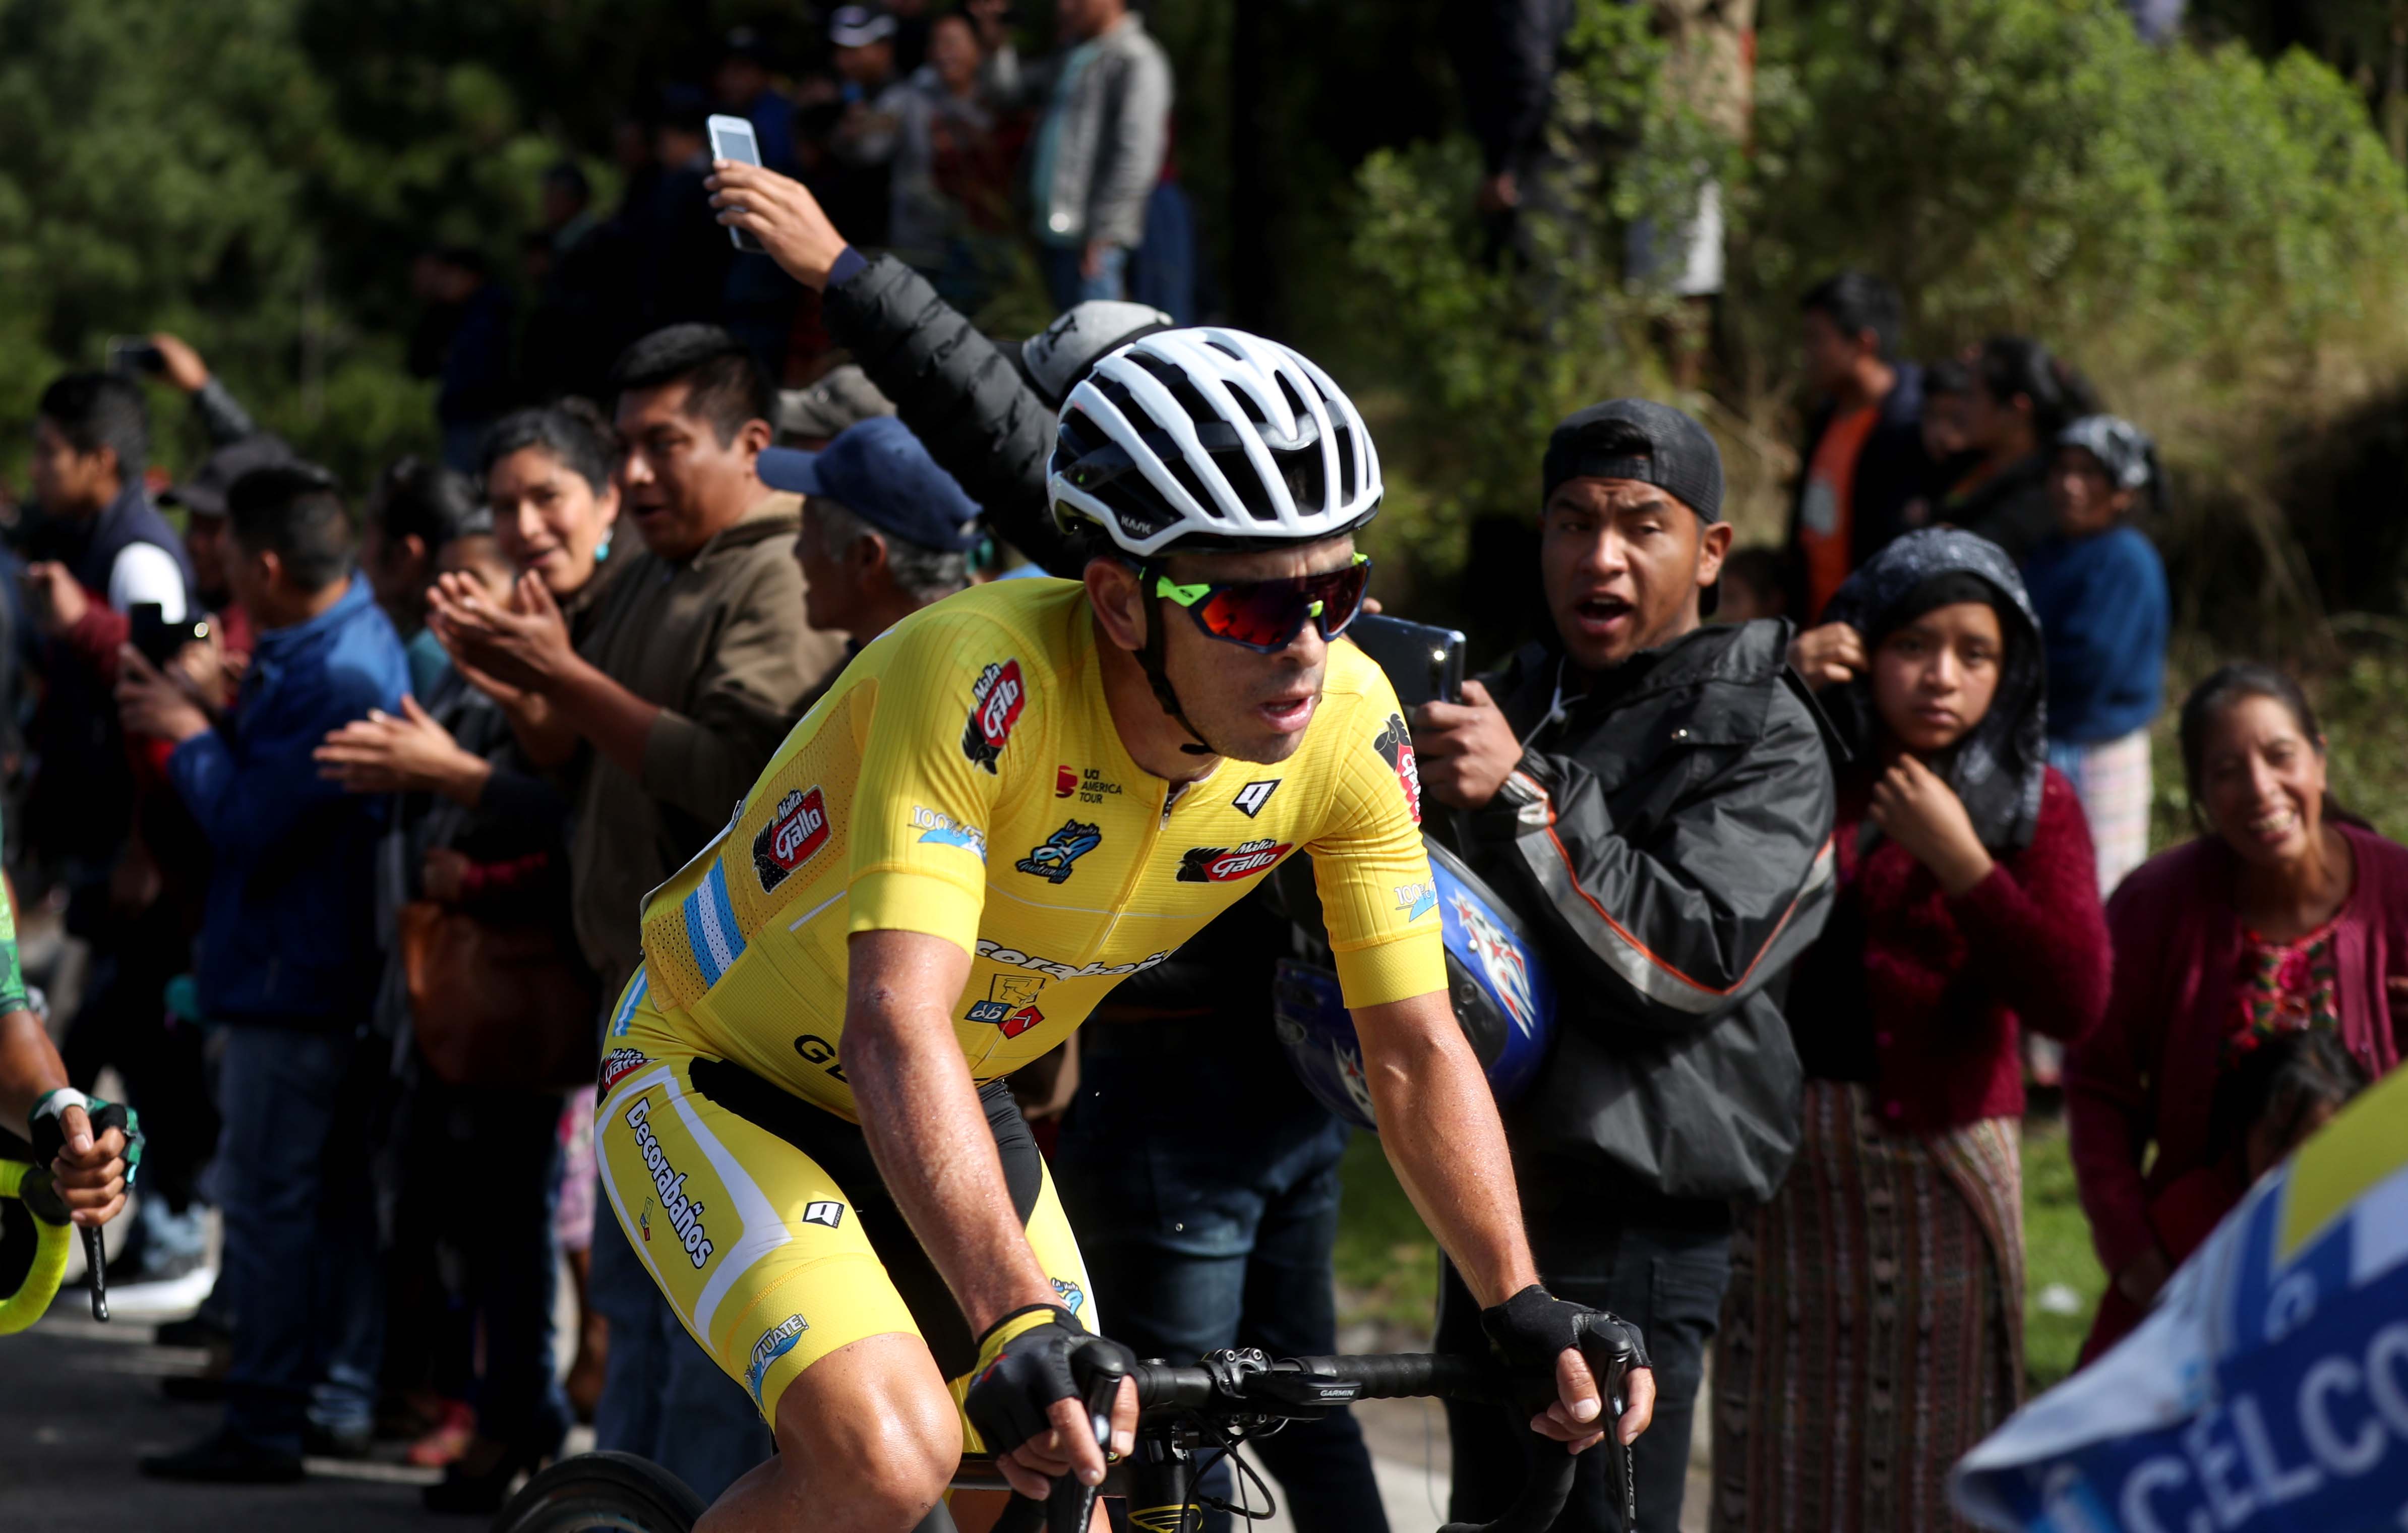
(1395, 747)
(792, 837)
(996, 699)
(1222, 864)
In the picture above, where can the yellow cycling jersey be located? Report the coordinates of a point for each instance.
(963, 778)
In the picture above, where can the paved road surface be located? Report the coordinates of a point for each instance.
(80, 1402)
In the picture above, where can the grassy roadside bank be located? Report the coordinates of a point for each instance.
(1388, 1265)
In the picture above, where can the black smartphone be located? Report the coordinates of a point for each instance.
(156, 639)
(1423, 662)
(131, 355)
(732, 138)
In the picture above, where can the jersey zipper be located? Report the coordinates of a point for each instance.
(1159, 823)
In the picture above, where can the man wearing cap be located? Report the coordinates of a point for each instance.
(810, 417)
(885, 531)
(1654, 799)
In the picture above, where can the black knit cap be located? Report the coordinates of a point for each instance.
(1638, 439)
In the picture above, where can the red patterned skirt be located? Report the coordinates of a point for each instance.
(1873, 1328)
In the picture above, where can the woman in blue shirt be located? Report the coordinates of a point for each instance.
(2101, 592)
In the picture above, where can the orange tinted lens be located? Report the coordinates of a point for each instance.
(1267, 615)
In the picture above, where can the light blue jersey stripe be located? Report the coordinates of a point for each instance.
(628, 1002)
(707, 954)
(710, 927)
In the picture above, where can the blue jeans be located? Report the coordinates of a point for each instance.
(663, 1397)
(1668, 1280)
(1205, 1227)
(300, 1232)
(1070, 285)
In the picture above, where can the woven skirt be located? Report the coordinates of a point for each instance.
(1873, 1328)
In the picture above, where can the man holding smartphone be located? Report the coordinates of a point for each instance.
(1654, 797)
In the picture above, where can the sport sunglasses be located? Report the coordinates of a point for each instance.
(1264, 616)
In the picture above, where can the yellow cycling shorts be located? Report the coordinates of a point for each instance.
(763, 1218)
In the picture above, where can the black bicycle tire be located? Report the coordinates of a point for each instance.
(613, 1491)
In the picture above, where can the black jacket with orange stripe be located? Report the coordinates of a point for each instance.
(1668, 834)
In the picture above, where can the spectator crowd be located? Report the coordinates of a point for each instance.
(910, 124)
(1834, 847)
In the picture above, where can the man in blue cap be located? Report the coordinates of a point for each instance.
(885, 531)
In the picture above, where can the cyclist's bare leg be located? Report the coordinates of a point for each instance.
(868, 1437)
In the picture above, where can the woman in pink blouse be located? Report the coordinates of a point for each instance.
(2282, 916)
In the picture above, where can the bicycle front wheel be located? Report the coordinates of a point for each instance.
(609, 1491)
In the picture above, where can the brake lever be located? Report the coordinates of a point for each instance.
(1610, 1345)
(1071, 1506)
(94, 1258)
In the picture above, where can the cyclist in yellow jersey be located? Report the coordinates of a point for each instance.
(1009, 801)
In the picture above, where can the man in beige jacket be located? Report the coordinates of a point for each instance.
(690, 668)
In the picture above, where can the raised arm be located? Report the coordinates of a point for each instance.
(956, 391)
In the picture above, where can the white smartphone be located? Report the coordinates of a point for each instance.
(731, 138)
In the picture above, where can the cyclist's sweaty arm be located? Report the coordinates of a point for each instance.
(922, 1115)
(91, 1171)
(937, 1155)
(1438, 1119)
(1438, 1125)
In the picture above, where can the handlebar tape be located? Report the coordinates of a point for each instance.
(50, 1265)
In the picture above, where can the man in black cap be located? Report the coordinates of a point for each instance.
(1652, 797)
(885, 531)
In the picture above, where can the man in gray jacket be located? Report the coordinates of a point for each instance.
(1100, 148)
(1652, 797)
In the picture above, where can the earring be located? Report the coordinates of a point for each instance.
(602, 548)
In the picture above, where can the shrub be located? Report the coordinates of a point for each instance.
(2208, 235)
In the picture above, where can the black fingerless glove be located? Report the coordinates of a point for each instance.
(1532, 1327)
(50, 1134)
(1027, 1360)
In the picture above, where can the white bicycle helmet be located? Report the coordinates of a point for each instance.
(1209, 438)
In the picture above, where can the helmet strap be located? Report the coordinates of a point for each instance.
(1150, 659)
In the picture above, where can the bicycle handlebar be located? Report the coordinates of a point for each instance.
(1235, 1388)
(50, 1265)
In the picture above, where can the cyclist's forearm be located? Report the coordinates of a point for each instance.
(928, 1133)
(1439, 1127)
(29, 1068)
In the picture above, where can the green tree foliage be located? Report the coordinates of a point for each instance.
(2208, 234)
(2030, 164)
(198, 168)
(1488, 336)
